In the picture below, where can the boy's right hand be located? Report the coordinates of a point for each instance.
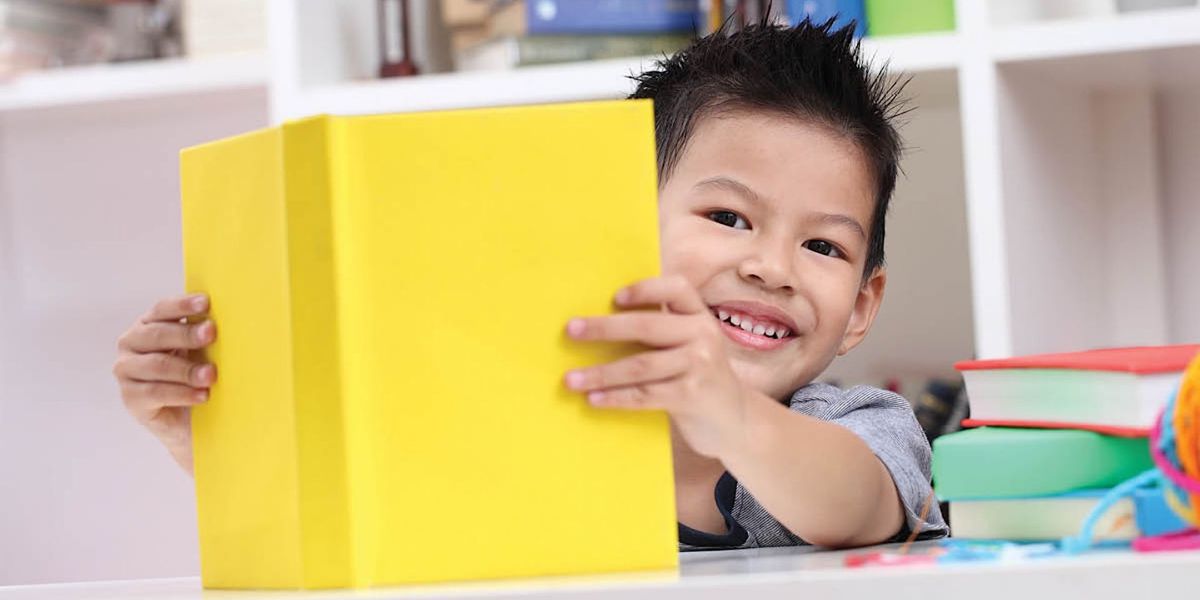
(159, 383)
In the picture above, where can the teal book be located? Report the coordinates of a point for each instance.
(999, 462)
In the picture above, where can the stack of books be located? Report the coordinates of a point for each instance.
(1051, 434)
(876, 17)
(502, 34)
(46, 34)
(215, 27)
(41, 35)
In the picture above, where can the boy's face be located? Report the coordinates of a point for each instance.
(768, 218)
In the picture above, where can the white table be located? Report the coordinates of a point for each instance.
(791, 573)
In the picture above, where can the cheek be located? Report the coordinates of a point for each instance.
(836, 304)
(685, 253)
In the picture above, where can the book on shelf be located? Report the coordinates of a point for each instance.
(818, 11)
(38, 35)
(889, 17)
(35, 34)
(216, 27)
(467, 13)
(1118, 391)
(509, 52)
(363, 381)
(997, 462)
(575, 17)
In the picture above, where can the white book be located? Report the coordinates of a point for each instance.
(1040, 519)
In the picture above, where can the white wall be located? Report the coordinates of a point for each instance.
(1179, 127)
(1130, 192)
(1054, 221)
(85, 494)
(1101, 209)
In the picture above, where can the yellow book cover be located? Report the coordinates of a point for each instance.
(391, 294)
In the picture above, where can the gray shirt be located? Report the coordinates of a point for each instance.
(884, 421)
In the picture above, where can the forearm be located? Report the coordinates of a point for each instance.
(816, 478)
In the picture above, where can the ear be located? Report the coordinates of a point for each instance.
(866, 306)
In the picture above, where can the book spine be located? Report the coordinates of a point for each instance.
(557, 49)
(561, 17)
(326, 538)
(887, 17)
(819, 11)
(244, 437)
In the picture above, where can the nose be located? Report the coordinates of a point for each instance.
(769, 265)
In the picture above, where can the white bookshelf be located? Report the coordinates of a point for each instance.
(133, 81)
(529, 85)
(1050, 203)
(551, 83)
(1150, 30)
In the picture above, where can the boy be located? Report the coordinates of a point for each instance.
(777, 159)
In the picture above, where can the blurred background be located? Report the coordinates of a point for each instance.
(1050, 198)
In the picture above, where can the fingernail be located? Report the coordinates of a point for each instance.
(204, 373)
(622, 296)
(199, 302)
(200, 396)
(203, 331)
(575, 380)
(596, 397)
(575, 327)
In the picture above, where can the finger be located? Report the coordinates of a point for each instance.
(651, 328)
(675, 293)
(634, 397)
(167, 368)
(179, 307)
(162, 336)
(147, 397)
(647, 367)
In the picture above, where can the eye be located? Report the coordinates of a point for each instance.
(729, 219)
(823, 247)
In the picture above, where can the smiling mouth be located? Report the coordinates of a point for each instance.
(758, 326)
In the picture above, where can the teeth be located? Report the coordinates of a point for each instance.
(747, 324)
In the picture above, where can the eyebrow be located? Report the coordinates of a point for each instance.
(734, 186)
(737, 187)
(840, 220)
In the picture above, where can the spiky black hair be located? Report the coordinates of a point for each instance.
(812, 71)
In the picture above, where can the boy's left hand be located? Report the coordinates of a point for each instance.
(688, 373)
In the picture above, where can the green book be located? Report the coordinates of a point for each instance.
(892, 17)
(998, 462)
(509, 52)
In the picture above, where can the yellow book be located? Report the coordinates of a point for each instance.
(390, 294)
